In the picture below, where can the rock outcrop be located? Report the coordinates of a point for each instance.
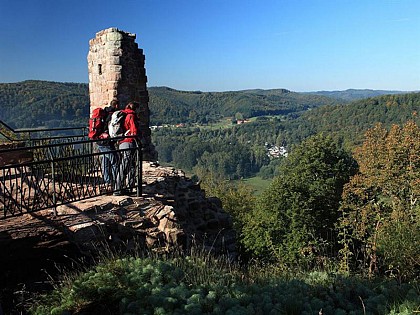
(173, 213)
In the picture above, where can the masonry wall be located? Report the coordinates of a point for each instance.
(116, 71)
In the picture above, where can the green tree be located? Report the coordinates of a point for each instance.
(384, 197)
(237, 198)
(231, 160)
(296, 215)
(239, 116)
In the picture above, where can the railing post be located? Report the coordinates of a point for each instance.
(139, 168)
(53, 183)
(91, 158)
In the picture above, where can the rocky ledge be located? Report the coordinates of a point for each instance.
(172, 213)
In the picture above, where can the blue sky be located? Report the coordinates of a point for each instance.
(221, 45)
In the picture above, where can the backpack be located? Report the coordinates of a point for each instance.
(116, 124)
(97, 123)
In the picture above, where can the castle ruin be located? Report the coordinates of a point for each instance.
(116, 71)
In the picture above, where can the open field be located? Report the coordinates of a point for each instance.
(257, 183)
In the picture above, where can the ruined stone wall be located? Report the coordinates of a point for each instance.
(173, 213)
(116, 71)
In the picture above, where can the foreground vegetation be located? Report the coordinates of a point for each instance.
(200, 284)
(344, 202)
(327, 217)
(326, 203)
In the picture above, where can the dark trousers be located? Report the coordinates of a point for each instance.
(109, 164)
(127, 170)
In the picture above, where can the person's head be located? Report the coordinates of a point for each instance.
(115, 104)
(133, 105)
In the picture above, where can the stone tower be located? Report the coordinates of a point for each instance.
(116, 71)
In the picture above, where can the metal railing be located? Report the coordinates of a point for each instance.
(62, 173)
(37, 136)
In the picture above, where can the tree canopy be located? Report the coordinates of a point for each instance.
(297, 214)
(381, 206)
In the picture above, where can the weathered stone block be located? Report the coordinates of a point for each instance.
(114, 76)
(116, 69)
(176, 238)
(114, 60)
(164, 212)
(114, 36)
(168, 223)
(155, 239)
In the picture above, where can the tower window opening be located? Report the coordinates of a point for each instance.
(99, 68)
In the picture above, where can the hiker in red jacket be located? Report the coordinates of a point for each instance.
(127, 170)
(109, 160)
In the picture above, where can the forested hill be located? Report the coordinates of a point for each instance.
(355, 94)
(241, 151)
(40, 103)
(53, 104)
(172, 106)
(352, 120)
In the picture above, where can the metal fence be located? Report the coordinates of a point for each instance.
(39, 136)
(62, 173)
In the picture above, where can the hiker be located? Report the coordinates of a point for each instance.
(127, 170)
(109, 159)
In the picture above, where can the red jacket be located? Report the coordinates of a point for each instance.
(131, 124)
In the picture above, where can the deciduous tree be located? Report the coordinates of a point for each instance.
(298, 212)
(384, 197)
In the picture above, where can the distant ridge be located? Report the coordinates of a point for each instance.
(356, 94)
(168, 105)
(35, 103)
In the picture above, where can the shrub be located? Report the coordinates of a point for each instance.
(171, 286)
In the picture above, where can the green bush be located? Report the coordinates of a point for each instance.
(172, 286)
(398, 245)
